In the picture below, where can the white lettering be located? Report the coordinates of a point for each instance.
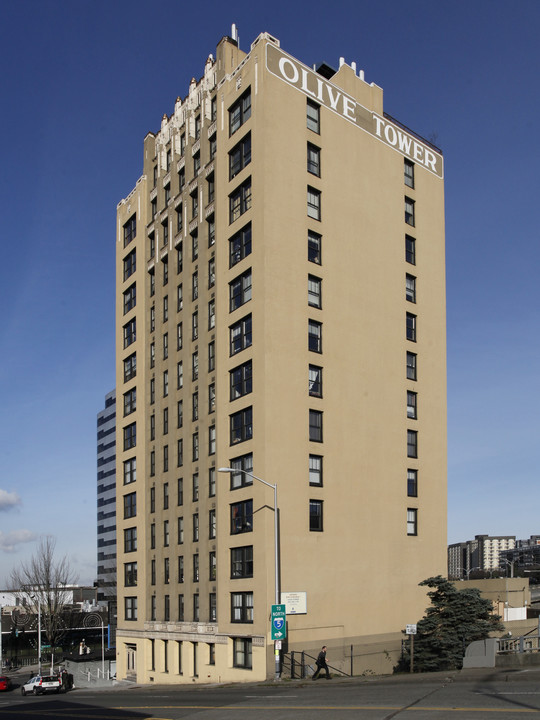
(304, 82)
(333, 100)
(405, 143)
(282, 62)
(430, 160)
(390, 130)
(348, 108)
(418, 152)
(319, 90)
(378, 123)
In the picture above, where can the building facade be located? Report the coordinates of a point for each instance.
(484, 553)
(106, 502)
(281, 312)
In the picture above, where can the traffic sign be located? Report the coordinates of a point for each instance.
(279, 622)
(410, 629)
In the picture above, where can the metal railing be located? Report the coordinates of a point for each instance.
(527, 643)
(298, 664)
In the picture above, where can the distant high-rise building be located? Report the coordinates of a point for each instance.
(106, 501)
(482, 553)
(280, 312)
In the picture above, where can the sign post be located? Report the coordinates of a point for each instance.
(411, 630)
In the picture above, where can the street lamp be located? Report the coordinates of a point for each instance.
(34, 597)
(276, 547)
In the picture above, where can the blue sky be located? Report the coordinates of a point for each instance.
(82, 84)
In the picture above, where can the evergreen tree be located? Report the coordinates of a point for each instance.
(454, 619)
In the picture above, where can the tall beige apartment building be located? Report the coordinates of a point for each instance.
(281, 312)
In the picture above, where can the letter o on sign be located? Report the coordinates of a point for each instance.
(285, 61)
(389, 130)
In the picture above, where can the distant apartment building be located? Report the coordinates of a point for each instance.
(525, 556)
(106, 500)
(482, 553)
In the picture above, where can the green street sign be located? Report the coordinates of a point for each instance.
(279, 622)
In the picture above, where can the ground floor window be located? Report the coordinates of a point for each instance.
(242, 652)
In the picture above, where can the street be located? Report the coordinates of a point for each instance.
(439, 696)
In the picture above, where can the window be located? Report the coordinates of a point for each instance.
(152, 500)
(213, 147)
(168, 161)
(314, 336)
(130, 229)
(315, 426)
(242, 517)
(315, 470)
(412, 483)
(411, 405)
(130, 367)
(165, 265)
(196, 567)
(242, 607)
(179, 413)
(211, 232)
(180, 452)
(412, 443)
(130, 264)
(130, 505)
(213, 109)
(130, 332)
(412, 521)
(152, 318)
(212, 524)
(153, 209)
(180, 616)
(410, 288)
(211, 397)
(130, 436)
(242, 653)
(152, 278)
(313, 117)
(195, 615)
(240, 290)
(130, 401)
(165, 346)
(180, 491)
(179, 298)
(180, 375)
(179, 218)
(179, 339)
(152, 245)
(130, 298)
(165, 233)
(411, 327)
(211, 482)
(195, 325)
(180, 523)
(212, 440)
(240, 201)
(196, 171)
(166, 571)
(241, 380)
(314, 247)
(130, 539)
(240, 156)
(313, 160)
(314, 291)
(130, 574)
(182, 177)
(130, 471)
(239, 112)
(211, 356)
(410, 249)
(196, 527)
(240, 245)
(165, 383)
(411, 366)
(195, 446)
(165, 308)
(166, 618)
(166, 533)
(240, 335)
(242, 562)
(167, 189)
(316, 515)
(240, 479)
(211, 314)
(195, 486)
(212, 564)
(165, 458)
(211, 272)
(241, 425)
(195, 286)
(130, 608)
(315, 381)
(153, 570)
(408, 171)
(152, 452)
(180, 568)
(179, 257)
(313, 203)
(195, 366)
(409, 211)
(212, 616)
(194, 203)
(197, 127)
(152, 391)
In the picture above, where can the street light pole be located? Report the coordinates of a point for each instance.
(276, 550)
(36, 598)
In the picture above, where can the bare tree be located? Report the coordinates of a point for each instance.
(42, 583)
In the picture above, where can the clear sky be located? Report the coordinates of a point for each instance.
(83, 82)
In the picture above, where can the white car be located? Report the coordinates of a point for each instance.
(41, 684)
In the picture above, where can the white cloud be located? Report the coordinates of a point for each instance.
(8, 500)
(10, 540)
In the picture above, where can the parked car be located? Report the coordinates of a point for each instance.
(41, 684)
(5, 683)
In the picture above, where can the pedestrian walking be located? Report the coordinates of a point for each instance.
(321, 663)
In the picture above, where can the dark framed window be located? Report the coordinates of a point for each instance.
(180, 609)
(167, 190)
(180, 568)
(130, 229)
(240, 335)
(316, 470)
(242, 653)
(180, 531)
(197, 127)
(315, 426)
(130, 332)
(130, 539)
(241, 517)
(196, 567)
(411, 365)
(240, 479)
(179, 218)
(315, 381)
(211, 356)
(412, 483)
(212, 616)
(412, 443)
(196, 171)
(411, 327)
(179, 257)
(240, 245)
(410, 288)
(242, 607)
(409, 211)
(313, 203)
(242, 562)
(130, 401)
(130, 608)
(130, 471)
(130, 505)
(241, 425)
(130, 298)
(313, 117)
(211, 314)
(166, 571)
(195, 612)
(240, 200)
(130, 367)
(314, 336)
(316, 515)
(240, 290)
(212, 524)
(211, 187)
(314, 247)
(314, 291)
(130, 436)
(412, 521)
(313, 159)
(240, 111)
(130, 264)
(408, 172)
(241, 380)
(412, 405)
(240, 156)
(212, 568)
(180, 491)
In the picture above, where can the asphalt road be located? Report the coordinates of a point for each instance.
(458, 696)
